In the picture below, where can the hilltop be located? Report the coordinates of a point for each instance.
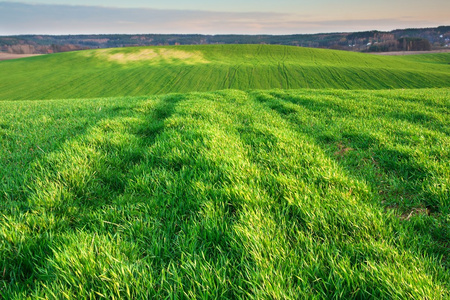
(138, 71)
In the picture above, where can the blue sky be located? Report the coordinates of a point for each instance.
(217, 17)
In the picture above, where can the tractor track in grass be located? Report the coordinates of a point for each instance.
(260, 194)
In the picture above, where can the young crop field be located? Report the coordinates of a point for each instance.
(262, 194)
(140, 71)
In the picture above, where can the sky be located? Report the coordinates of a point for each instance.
(217, 17)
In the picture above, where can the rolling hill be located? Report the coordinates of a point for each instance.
(160, 70)
(269, 193)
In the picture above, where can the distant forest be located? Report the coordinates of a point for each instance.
(416, 39)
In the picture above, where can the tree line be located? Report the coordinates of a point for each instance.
(415, 39)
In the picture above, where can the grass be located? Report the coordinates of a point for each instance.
(160, 70)
(281, 194)
(438, 58)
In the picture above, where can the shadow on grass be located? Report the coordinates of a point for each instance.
(25, 149)
(92, 184)
(425, 120)
(385, 162)
(109, 181)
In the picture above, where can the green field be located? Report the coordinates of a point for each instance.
(264, 194)
(162, 70)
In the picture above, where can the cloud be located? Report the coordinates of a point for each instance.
(19, 18)
(25, 18)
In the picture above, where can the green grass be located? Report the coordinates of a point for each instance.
(285, 194)
(105, 73)
(438, 58)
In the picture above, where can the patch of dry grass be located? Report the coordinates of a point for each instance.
(151, 55)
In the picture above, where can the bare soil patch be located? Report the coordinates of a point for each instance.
(7, 56)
